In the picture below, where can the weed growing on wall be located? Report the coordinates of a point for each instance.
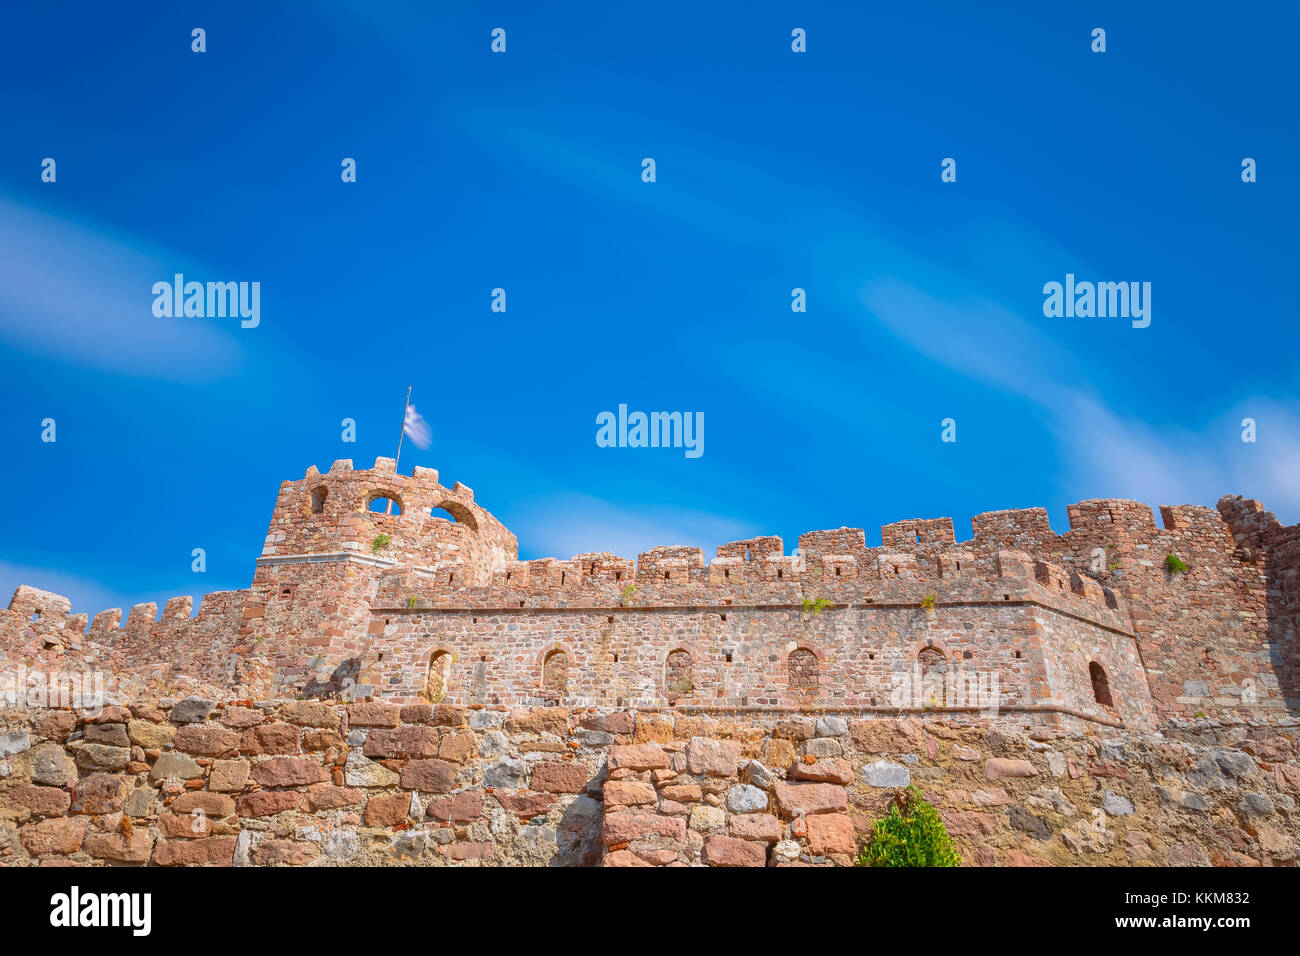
(910, 835)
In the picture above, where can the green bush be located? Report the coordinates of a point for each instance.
(381, 541)
(911, 835)
(1175, 564)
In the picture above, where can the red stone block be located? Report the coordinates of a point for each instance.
(215, 851)
(458, 808)
(559, 777)
(725, 851)
(289, 772)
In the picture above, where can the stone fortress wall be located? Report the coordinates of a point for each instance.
(440, 607)
(1076, 644)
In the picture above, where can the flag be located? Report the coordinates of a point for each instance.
(416, 428)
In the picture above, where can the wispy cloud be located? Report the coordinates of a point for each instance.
(1106, 452)
(951, 314)
(81, 296)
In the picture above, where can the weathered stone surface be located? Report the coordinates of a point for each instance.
(628, 826)
(321, 740)
(191, 710)
(310, 713)
(506, 774)
(174, 765)
(886, 773)
(471, 851)
(112, 735)
(284, 853)
(526, 805)
(809, 798)
(823, 748)
(756, 826)
(759, 775)
(624, 858)
(361, 772)
(265, 803)
(387, 810)
(42, 801)
(208, 851)
(59, 835)
(56, 725)
(51, 765)
(205, 740)
(1026, 822)
(707, 818)
(374, 714)
(538, 720)
(325, 796)
(776, 752)
(486, 719)
(831, 727)
(629, 793)
(228, 775)
(831, 833)
(288, 772)
(428, 776)
(617, 723)
(968, 823)
(241, 718)
(99, 793)
(728, 851)
(147, 734)
(458, 808)
(1115, 805)
(746, 798)
(637, 757)
(272, 738)
(835, 770)
(714, 758)
(118, 847)
(998, 768)
(102, 757)
(885, 736)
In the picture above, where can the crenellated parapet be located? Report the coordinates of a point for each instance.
(380, 517)
(370, 578)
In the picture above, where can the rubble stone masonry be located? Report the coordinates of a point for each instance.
(395, 687)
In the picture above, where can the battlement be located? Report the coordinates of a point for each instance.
(365, 574)
(388, 519)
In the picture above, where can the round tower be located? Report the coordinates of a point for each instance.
(380, 518)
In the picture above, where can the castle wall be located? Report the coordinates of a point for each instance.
(333, 609)
(198, 782)
(1013, 655)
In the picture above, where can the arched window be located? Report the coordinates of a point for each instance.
(1100, 685)
(555, 675)
(932, 661)
(677, 675)
(318, 495)
(455, 512)
(439, 679)
(381, 503)
(802, 668)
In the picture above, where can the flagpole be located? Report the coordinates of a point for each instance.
(402, 434)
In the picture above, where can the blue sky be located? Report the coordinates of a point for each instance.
(775, 170)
